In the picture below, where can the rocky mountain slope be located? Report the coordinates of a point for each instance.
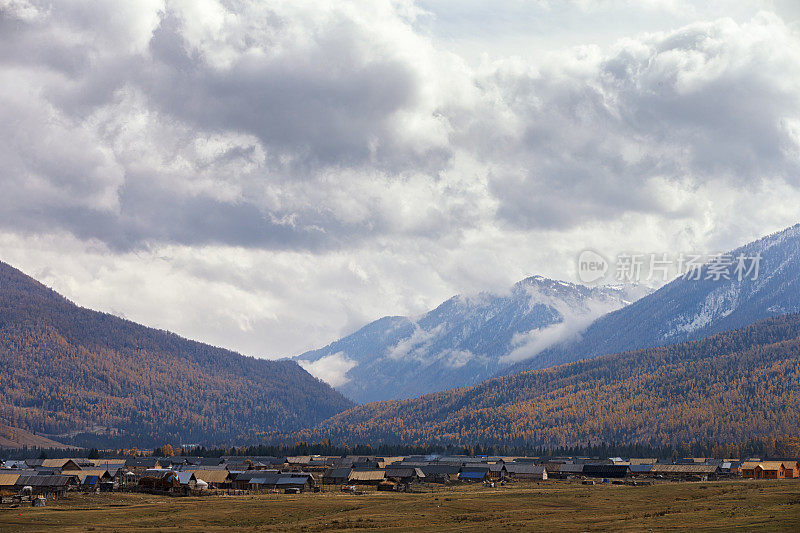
(708, 300)
(463, 341)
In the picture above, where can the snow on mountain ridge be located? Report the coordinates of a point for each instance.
(693, 306)
(462, 341)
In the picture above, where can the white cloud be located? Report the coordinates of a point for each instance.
(574, 320)
(458, 358)
(331, 369)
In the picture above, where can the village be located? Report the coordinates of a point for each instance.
(39, 480)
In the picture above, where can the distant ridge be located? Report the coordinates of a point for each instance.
(104, 380)
(463, 341)
(687, 309)
(727, 388)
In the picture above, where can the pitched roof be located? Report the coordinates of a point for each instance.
(642, 461)
(771, 465)
(367, 475)
(298, 459)
(8, 480)
(683, 469)
(340, 472)
(250, 474)
(211, 476)
(270, 479)
(157, 472)
(518, 469)
(438, 470)
(293, 480)
(108, 463)
(473, 474)
(82, 474)
(403, 472)
(481, 469)
(568, 468)
(43, 481)
(185, 477)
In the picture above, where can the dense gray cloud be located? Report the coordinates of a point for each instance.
(278, 173)
(204, 123)
(708, 104)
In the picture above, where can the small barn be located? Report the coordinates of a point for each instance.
(440, 473)
(526, 471)
(474, 473)
(52, 484)
(404, 475)
(216, 478)
(262, 482)
(609, 471)
(301, 482)
(336, 476)
(640, 469)
(7, 481)
(187, 479)
(367, 477)
(684, 471)
(565, 470)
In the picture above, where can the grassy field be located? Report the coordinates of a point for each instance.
(549, 506)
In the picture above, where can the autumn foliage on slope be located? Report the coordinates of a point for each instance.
(726, 388)
(67, 369)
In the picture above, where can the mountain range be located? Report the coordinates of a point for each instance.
(698, 304)
(727, 388)
(568, 364)
(93, 378)
(542, 323)
(463, 341)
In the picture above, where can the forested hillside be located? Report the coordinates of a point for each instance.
(65, 369)
(727, 388)
(16, 438)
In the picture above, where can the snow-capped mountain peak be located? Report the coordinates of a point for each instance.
(463, 341)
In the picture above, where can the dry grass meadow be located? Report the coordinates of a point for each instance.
(547, 506)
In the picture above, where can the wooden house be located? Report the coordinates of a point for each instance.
(474, 473)
(216, 478)
(440, 473)
(791, 469)
(605, 470)
(766, 470)
(525, 471)
(367, 477)
(336, 476)
(685, 470)
(46, 485)
(7, 482)
(404, 474)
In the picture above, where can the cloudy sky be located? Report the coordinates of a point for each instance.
(268, 176)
